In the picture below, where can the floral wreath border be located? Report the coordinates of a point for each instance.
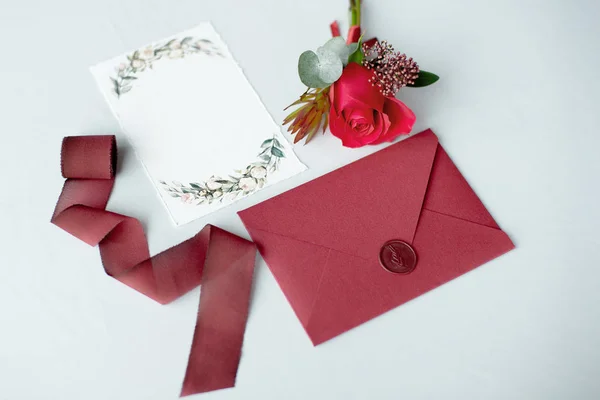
(143, 59)
(241, 182)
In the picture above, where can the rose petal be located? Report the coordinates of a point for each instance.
(342, 130)
(361, 114)
(357, 121)
(353, 90)
(401, 120)
(382, 126)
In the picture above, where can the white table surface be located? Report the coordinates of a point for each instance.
(517, 109)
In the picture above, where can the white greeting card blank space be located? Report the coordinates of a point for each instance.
(184, 126)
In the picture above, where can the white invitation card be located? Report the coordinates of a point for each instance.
(196, 124)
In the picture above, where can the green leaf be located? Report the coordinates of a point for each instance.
(358, 56)
(277, 143)
(277, 153)
(125, 89)
(136, 54)
(186, 39)
(338, 46)
(129, 78)
(425, 79)
(196, 186)
(310, 69)
(266, 143)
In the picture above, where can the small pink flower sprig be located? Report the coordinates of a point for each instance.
(393, 70)
(143, 59)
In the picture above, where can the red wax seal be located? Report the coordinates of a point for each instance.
(398, 257)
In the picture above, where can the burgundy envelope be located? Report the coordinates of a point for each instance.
(323, 240)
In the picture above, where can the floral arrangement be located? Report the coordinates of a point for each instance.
(143, 59)
(352, 86)
(241, 182)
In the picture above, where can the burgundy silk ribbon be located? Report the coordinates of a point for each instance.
(221, 261)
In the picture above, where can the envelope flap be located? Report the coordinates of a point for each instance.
(357, 208)
(297, 266)
(450, 194)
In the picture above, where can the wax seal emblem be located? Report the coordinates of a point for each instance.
(398, 257)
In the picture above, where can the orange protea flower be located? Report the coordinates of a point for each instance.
(312, 114)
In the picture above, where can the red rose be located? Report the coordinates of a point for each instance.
(361, 115)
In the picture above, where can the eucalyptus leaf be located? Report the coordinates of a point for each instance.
(352, 47)
(321, 68)
(425, 79)
(331, 65)
(338, 46)
(309, 70)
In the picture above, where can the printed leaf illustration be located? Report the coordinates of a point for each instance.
(266, 143)
(277, 153)
(143, 59)
(245, 181)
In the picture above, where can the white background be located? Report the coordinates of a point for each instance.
(517, 109)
